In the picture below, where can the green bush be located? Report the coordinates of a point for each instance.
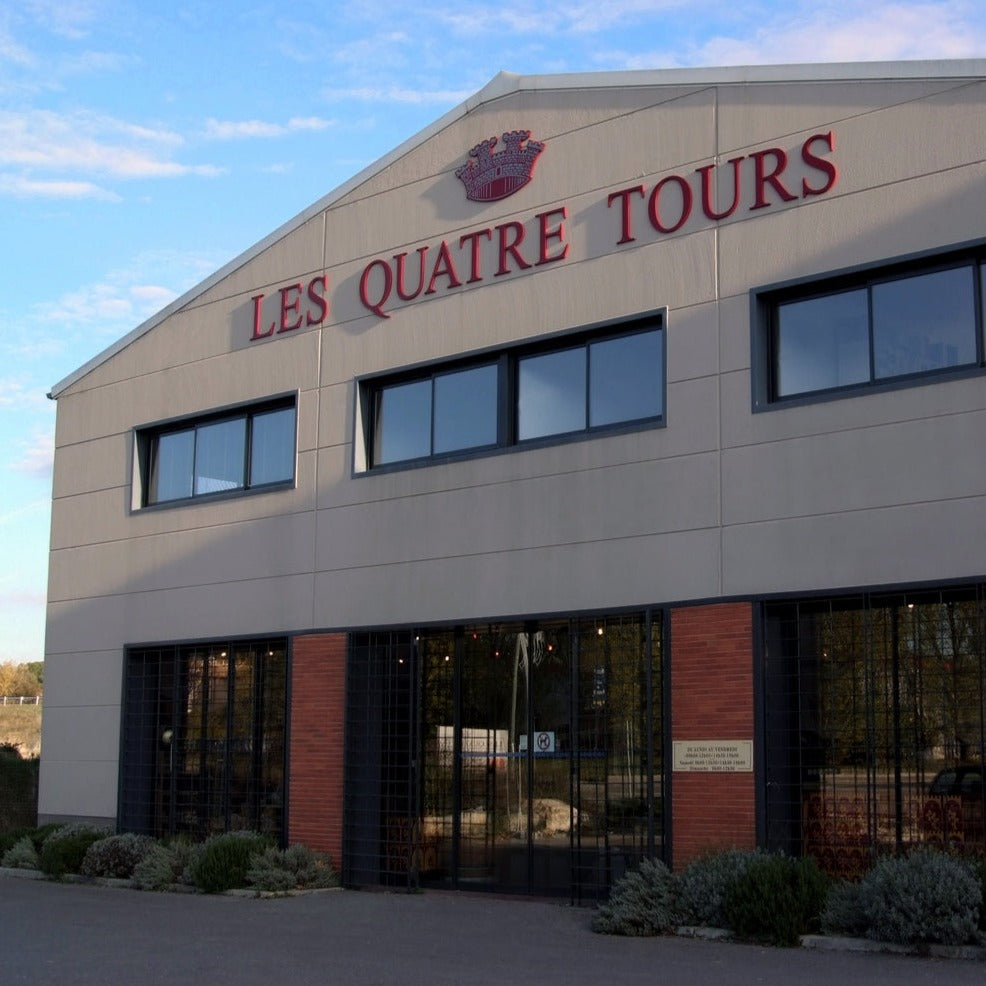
(225, 859)
(294, 868)
(166, 864)
(116, 856)
(844, 913)
(18, 790)
(776, 900)
(644, 902)
(64, 849)
(704, 882)
(926, 896)
(979, 871)
(21, 855)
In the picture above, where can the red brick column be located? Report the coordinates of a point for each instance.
(711, 699)
(315, 761)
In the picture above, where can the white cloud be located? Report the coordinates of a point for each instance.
(238, 129)
(19, 186)
(34, 458)
(878, 32)
(123, 299)
(395, 94)
(834, 31)
(68, 18)
(42, 140)
(521, 17)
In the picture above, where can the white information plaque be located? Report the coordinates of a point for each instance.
(713, 756)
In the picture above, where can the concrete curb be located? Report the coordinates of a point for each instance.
(174, 888)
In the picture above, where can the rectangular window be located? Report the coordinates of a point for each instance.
(249, 448)
(589, 381)
(203, 739)
(889, 326)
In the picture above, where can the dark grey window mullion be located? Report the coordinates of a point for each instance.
(195, 458)
(431, 409)
(506, 426)
(587, 390)
(247, 454)
(870, 332)
(979, 286)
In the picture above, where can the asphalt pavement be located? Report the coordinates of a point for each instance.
(71, 933)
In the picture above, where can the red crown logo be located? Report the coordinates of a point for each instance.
(495, 176)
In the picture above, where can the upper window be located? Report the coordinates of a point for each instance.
(892, 325)
(593, 380)
(245, 449)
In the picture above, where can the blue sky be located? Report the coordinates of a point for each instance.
(145, 144)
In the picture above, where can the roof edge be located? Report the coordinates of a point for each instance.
(506, 83)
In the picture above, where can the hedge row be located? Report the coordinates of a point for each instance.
(229, 861)
(923, 897)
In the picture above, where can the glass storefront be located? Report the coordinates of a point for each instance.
(520, 757)
(875, 725)
(203, 739)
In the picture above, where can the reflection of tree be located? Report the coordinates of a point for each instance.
(895, 682)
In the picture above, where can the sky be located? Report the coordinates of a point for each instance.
(144, 145)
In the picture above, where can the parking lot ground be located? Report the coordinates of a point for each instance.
(67, 934)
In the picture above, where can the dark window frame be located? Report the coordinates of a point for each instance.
(148, 437)
(507, 360)
(765, 302)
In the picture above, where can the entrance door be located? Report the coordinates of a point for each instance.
(516, 757)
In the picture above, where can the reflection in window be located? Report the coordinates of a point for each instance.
(867, 329)
(822, 343)
(245, 450)
(551, 394)
(220, 456)
(924, 323)
(272, 445)
(171, 466)
(623, 375)
(403, 422)
(465, 409)
(203, 740)
(594, 380)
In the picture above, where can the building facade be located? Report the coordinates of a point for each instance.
(597, 476)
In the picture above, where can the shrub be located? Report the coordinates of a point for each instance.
(165, 865)
(844, 913)
(21, 855)
(294, 868)
(18, 789)
(65, 848)
(925, 896)
(225, 859)
(776, 899)
(116, 855)
(10, 838)
(704, 883)
(41, 833)
(979, 872)
(644, 902)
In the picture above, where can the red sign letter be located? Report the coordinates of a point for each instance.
(388, 283)
(624, 196)
(547, 235)
(820, 164)
(686, 204)
(258, 301)
(773, 178)
(318, 299)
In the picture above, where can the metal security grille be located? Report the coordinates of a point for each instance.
(203, 746)
(875, 725)
(516, 757)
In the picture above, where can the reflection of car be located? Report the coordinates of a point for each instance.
(958, 782)
(953, 813)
